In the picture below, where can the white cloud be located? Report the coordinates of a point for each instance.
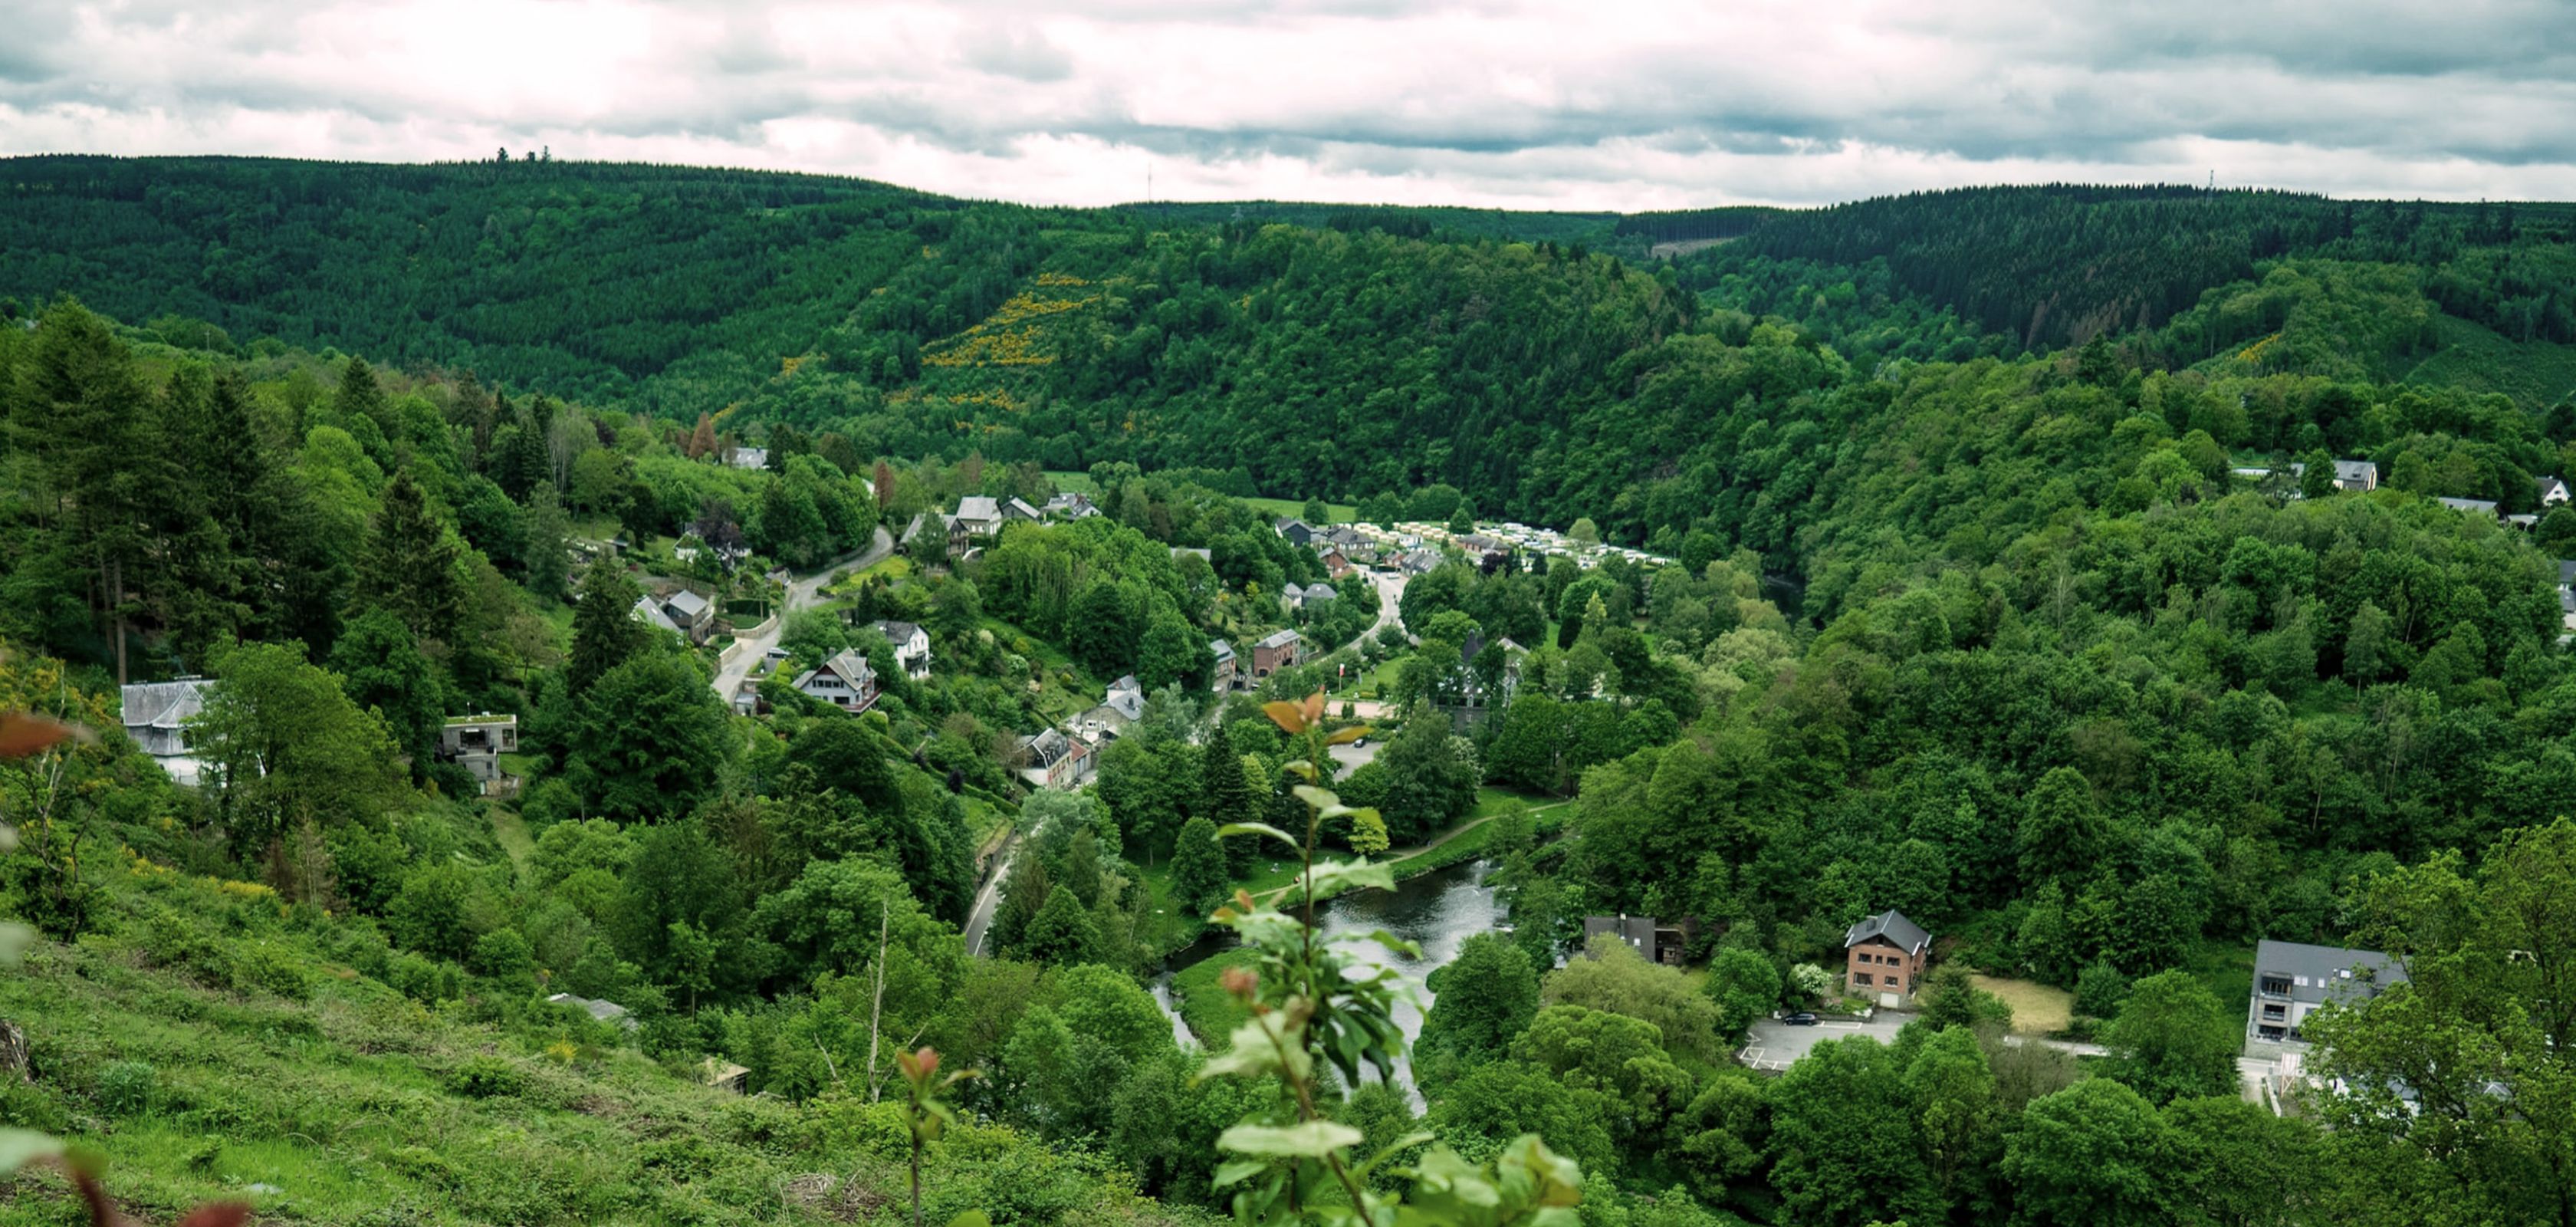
(1644, 104)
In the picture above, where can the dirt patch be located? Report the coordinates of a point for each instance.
(2037, 1008)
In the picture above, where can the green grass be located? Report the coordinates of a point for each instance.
(2476, 358)
(1341, 513)
(1206, 1008)
(511, 832)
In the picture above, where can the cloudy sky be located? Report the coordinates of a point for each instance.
(1604, 104)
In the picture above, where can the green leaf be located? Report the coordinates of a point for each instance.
(20, 1147)
(14, 941)
(1255, 828)
(1312, 1139)
(971, 1218)
(1318, 798)
(1238, 1170)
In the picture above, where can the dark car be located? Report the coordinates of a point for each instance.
(1799, 1019)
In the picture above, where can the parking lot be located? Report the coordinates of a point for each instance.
(1773, 1044)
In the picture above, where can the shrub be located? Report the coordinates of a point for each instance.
(125, 1088)
(266, 967)
(486, 1078)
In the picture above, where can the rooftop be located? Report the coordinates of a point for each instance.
(1892, 925)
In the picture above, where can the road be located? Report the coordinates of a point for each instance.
(801, 592)
(1775, 1045)
(989, 898)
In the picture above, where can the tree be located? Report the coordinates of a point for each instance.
(2365, 644)
(1199, 871)
(1462, 521)
(2094, 1153)
(2317, 477)
(1316, 513)
(845, 755)
(1430, 784)
(2063, 833)
(1501, 1100)
(1745, 985)
(548, 535)
(1062, 933)
(1614, 1054)
(1951, 1000)
(409, 566)
(649, 740)
(1584, 532)
(1170, 654)
(2172, 1039)
(380, 667)
(1614, 978)
(1845, 1148)
(1482, 999)
(604, 631)
(284, 746)
(2099, 990)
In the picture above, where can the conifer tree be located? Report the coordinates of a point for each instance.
(409, 568)
(604, 633)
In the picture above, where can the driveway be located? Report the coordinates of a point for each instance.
(1774, 1045)
(801, 592)
(990, 897)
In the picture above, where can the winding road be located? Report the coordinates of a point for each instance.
(801, 592)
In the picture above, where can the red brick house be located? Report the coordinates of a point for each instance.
(1273, 654)
(1884, 957)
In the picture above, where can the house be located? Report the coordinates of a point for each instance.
(599, 1011)
(1655, 943)
(1221, 678)
(978, 518)
(1055, 760)
(1071, 507)
(1308, 596)
(2291, 979)
(1274, 653)
(1884, 956)
(682, 613)
(1511, 678)
(725, 1075)
(1336, 563)
(911, 647)
(2567, 594)
(2359, 475)
(477, 743)
(920, 522)
(1019, 509)
(746, 696)
(1123, 706)
(749, 458)
(1421, 561)
(845, 682)
(1297, 532)
(2472, 506)
(1204, 554)
(157, 716)
(2553, 491)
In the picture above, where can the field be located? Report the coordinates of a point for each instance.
(1342, 513)
(2037, 1008)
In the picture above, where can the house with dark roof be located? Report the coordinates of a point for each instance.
(1884, 956)
(1071, 507)
(1019, 509)
(1297, 532)
(156, 716)
(2470, 506)
(1653, 942)
(911, 647)
(1221, 678)
(2291, 979)
(1123, 706)
(1054, 760)
(2358, 475)
(683, 613)
(845, 681)
(2553, 491)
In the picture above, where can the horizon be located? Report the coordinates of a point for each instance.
(1474, 104)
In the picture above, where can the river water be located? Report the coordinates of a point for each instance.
(1438, 911)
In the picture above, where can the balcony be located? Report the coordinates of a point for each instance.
(2278, 990)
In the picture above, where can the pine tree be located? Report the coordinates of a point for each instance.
(546, 557)
(1199, 871)
(702, 441)
(409, 568)
(360, 396)
(604, 633)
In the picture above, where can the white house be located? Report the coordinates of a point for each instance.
(2553, 491)
(477, 743)
(2356, 475)
(156, 717)
(749, 458)
(1071, 507)
(1123, 706)
(911, 647)
(845, 682)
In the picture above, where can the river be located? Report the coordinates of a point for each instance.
(1438, 911)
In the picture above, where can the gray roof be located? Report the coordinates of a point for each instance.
(1891, 924)
(650, 611)
(979, 507)
(847, 664)
(1020, 507)
(1277, 639)
(2566, 571)
(1129, 683)
(1128, 703)
(604, 1011)
(2317, 972)
(2547, 486)
(1320, 592)
(2468, 504)
(165, 705)
(688, 602)
(1223, 650)
(2356, 470)
(1637, 931)
(1048, 748)
(750, 457)
(896, 632)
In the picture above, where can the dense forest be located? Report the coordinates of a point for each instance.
(1997, 575)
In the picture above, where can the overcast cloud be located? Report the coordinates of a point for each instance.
(1611, 104)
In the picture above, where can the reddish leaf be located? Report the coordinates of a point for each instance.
(24, 734)
(1289, 716)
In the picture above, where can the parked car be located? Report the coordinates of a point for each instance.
(1800, 1019)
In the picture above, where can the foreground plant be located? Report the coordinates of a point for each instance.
(1311, 1004)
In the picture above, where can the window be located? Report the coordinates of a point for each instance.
(2276, 986)
(1861, 978)
(2275, 1013)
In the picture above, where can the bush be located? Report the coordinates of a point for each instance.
(125, 1088)
(268, 968)
(486, 1078)
(28, 1106)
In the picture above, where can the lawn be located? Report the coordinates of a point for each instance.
(1341, 513)
(2037, 1008)
(1206, 1008)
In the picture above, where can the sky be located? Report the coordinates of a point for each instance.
(1612, 104)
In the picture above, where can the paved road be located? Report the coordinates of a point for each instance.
(1775, 1045)
(990, 897)
(801, 592)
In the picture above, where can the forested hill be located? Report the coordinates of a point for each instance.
(1521, 357)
